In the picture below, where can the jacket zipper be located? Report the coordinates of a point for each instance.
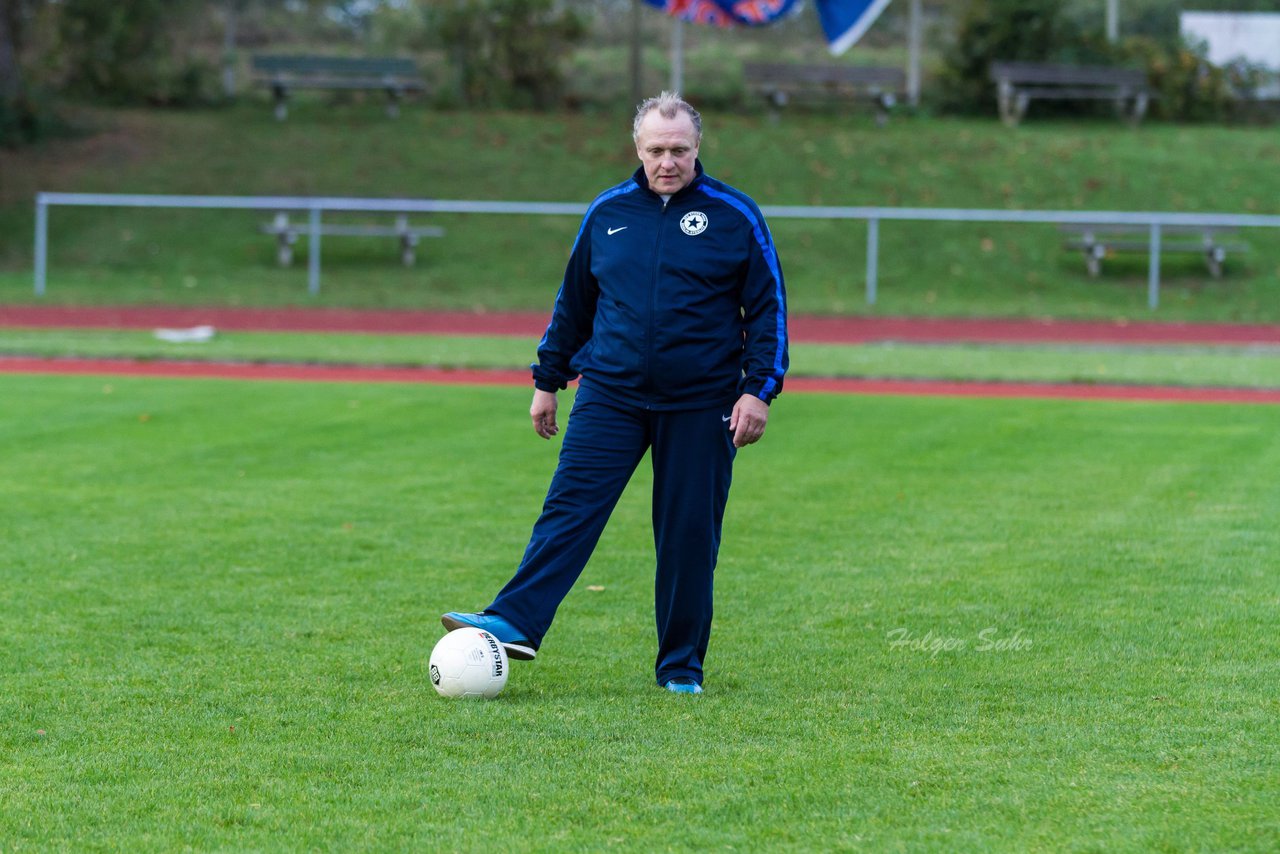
(653, 302)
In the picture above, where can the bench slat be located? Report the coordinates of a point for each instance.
(1019, 83)
(1101, 93)
(1100, 75)
(287, 234)
(302, 65)
(1165, 245)
(328, 230)
(780, 83)
(394, 75)
(353, 83)
(766, 73)
(1101, 230)
(1099, 241)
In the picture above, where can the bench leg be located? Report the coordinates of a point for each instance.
(1004, 102)
(281, 97)
(777, 99)
(408, 241)
(285, 239)
(1093, 255)
(284, 248)
(393, 103)
(1020, 104)
(1139, 107)
(1013, 110)
(1131, 107)
(884, 102)
(1213, 258)
(1013, 104)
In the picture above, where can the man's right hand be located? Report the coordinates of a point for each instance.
(543, 413)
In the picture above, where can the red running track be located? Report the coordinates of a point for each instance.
(338, 373)
(813, 329)
(804, 328)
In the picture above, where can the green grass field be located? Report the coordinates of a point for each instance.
(1222, 366)
(952, 625)
(112, 255)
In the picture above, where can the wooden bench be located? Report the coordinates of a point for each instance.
(1099, 241)
(781, 84)
(287, 232)
(285, 73)
(1020, 83)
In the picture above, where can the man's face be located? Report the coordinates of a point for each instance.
(667, 148)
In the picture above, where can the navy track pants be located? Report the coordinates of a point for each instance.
(604, 441)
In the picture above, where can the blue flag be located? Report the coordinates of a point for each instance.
(843, 21)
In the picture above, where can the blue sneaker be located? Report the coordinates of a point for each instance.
(683, 685)
(516, 645)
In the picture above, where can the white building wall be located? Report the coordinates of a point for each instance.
(1253, 36)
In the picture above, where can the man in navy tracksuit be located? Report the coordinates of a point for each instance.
(673, 313)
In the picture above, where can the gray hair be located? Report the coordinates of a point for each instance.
(668, 104)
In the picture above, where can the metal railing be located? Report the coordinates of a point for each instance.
(1154, 221)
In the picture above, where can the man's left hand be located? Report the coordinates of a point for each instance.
(750, 414)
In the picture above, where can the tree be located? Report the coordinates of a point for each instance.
(508, 51)
(1005, 30)
(10, 39)
(125, 52)
(20, 115)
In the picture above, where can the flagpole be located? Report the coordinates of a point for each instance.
(677, 55)
(637, 84)
(915, 27)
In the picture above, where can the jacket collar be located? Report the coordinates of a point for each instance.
(643, 180)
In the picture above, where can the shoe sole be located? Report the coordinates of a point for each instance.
(519, 652)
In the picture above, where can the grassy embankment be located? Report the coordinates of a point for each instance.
(489, 262)
(110, 256)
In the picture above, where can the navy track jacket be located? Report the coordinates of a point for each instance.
(675, 305)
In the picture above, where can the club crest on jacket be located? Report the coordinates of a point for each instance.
(694, 222)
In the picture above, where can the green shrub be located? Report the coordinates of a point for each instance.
(1186, 86)
(508, 52)
(29, 118)
(1004, 30)
(125, 53)
(18, 123)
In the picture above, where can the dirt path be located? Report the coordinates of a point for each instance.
(809, 329)
(804, 328)
(351, 374)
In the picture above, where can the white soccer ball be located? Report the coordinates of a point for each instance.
(468, 662)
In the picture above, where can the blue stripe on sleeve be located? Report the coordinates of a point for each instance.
(771, 258)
